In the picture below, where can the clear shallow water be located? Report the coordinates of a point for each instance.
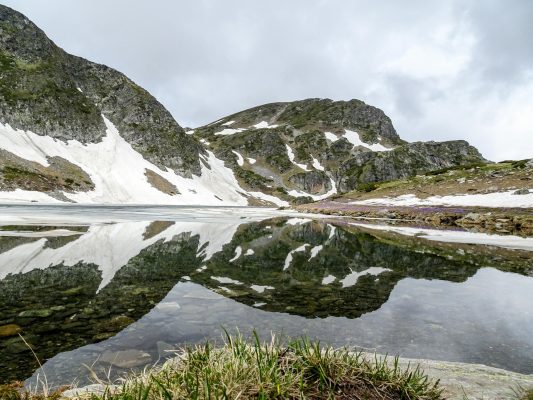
(152, 279)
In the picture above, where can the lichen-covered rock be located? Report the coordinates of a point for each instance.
(314, 182)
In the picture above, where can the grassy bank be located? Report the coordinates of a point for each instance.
(238, 369)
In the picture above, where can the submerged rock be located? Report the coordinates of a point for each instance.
(9, 330)
(126, 358)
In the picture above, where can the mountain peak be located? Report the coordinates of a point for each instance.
(319, 114)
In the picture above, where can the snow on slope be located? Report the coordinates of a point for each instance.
(118, 172)
(353, 138)
(315, 197)
(290, 153)
(498, 199)
(331, 136)
(111, 246)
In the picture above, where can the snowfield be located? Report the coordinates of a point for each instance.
(498, 199)
(118, 172)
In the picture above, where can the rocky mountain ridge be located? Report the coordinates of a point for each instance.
(75, 131)
(315, 148)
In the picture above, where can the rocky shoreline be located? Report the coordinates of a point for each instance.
(459, 380)
(491, 220)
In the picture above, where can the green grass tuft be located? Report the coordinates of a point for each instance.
(252, 369)
(300, 370)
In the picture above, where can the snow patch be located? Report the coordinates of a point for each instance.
(328, 279)
(299, 193)
(505, 241)
(498, 199)
(288, 259)
(251, 160)
(316, 164)
(264, 125)
(272, 199)
(290, 153)
(240, 160)
(331, 136)
(225, 280)
(249, 252)
(228, 131)
(314, 251)
(297, 221)
(261, 289)
(117, 171)
(228, 123)
(354, 138)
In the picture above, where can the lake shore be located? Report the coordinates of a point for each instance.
(491, 220)
(457, 380)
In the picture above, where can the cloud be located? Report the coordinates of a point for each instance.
(460, 69)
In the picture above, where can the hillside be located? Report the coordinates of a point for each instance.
(317, 148)
(75, 131)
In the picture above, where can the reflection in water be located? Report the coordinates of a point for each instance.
(73, 289)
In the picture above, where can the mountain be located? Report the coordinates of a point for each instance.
(318, 147)
(75, 131)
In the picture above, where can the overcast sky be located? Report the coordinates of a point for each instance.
(440, 69)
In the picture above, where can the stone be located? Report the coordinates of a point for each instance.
(126, 358)
(521, 191)
(165, 349)
(38, 313)
(96, 389)
(9, 330)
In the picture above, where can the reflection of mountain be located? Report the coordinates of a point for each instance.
(73, 290)
(91, 288)
(316, 270)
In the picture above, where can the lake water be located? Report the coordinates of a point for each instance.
(116, 288)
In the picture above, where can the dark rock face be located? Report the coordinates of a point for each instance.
(405, 161)
(314, 182)
(47, 91)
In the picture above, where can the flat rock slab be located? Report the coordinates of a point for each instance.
(473, 381)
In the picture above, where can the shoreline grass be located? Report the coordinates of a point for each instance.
(251, 369)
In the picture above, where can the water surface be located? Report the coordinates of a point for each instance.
(116, 288)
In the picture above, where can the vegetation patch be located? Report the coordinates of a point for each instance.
(300, 370)
(160, 183)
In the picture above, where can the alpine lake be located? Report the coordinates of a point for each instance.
(96, 290)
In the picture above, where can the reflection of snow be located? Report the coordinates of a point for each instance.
(288, 260)
(238, 252)
(352, 278)
(260, 289)
(110, 247)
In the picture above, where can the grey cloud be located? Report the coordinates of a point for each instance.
(205, 59)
